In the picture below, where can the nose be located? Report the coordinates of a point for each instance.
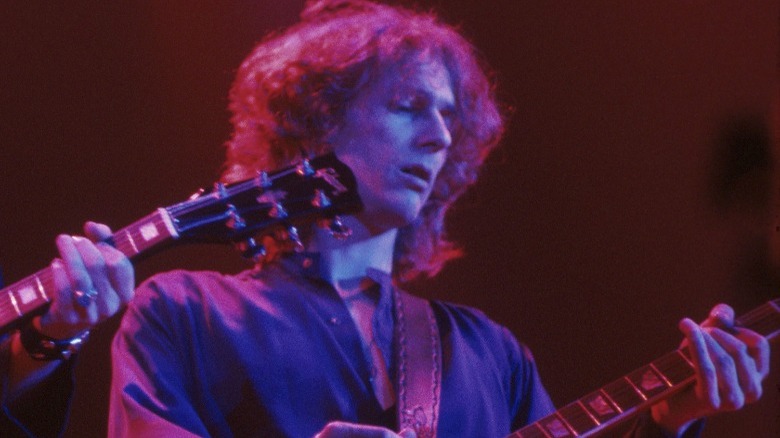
(436, 133)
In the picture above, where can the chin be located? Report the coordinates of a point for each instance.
(388, 219)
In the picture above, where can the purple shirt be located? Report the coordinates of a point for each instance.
(276, 353)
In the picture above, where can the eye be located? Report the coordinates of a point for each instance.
(408, 104)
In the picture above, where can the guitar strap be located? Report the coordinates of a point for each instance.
(418, 362)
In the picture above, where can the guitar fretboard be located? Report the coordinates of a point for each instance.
(622, 398)
(32, 294)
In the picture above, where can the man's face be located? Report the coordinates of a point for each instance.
(395, 137)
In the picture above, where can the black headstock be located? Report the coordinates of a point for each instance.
(313, 190)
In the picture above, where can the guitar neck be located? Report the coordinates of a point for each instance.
(314, 190)
(31, 295)
(636, 391)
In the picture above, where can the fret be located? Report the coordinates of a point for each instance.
(635, 388)
(7, 311)
(590, 415)
(647, 382)
(170, 228)
(24, 297)
(555, 426)
(675, 367)
(531, 431)
(13, 302)
(660, 374)
(578, 418)
(130, 240)
(146, 233)
(623, 394)
(41, 289)
(600, 406)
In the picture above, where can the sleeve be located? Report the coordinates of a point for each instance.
(529, 400)
(41, 411)
(149, 390)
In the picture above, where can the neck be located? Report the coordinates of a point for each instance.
(345, 262)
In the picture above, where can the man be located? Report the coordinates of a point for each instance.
(305, 344)
(91, 282)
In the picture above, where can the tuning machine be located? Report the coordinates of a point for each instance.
(320, 199)
(234, 220)
(289, 238)
(263, 180)
(252, 250)
(335, 227)
(277, 211)
(305, 169)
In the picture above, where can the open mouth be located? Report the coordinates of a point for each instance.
(419, 172)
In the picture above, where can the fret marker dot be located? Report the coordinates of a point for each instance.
(27, 295)
(149, 232)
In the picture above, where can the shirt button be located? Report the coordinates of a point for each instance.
(306, 263)
(334, 320)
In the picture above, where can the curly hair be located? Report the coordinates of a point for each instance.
(293, 89)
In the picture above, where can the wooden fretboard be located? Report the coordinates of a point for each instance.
(31, 295)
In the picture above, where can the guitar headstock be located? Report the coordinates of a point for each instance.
(314, 190)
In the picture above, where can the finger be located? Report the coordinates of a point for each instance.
(106, 301)
(758, 348)
(731, 395)
(721, 316)
(749, 378)
(78, 275)
(61, 317)
(97, 232)
(120, 272)
(706, 376)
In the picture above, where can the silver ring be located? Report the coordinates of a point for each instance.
(85, 297)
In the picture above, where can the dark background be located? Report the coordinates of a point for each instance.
(635, 185)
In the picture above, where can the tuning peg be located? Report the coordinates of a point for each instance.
(277, 211)
(305, 169)
(263, 180)
(250, 249)
(234, 221)
(337, 229)
(289, 237)
(220, 190)
(294, 239)
(320, 200)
